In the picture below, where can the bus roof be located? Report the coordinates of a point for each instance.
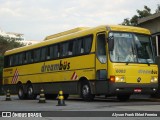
(78, 32)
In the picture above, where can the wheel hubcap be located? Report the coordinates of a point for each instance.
(20, 92)
(30, 91)
(85, 90)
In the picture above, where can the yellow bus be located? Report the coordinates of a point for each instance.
(111, 60)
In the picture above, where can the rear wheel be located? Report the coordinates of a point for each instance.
(21, 93)
(30, 93)
(123, 97)
(86, 92)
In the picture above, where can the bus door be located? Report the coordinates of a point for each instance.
(101, 64)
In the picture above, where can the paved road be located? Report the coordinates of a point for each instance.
(136, 103)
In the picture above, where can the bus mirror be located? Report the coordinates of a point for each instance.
(110, 43)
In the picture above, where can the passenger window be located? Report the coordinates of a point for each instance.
(29, 55)
(43, 54)
(64, 49)
(75, 47)
(51, 49)
(24, 58)
(84, 45)
(70, 48)
(11, 60)
(87, 44)
(20, 58)
(16, 60)
(36, 54)
(56, 51)
(6, 61)
(48, 55)
(59, 49)
(15, 57)
(79, 46)
(101, 48)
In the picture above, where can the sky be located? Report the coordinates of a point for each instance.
(37, 19)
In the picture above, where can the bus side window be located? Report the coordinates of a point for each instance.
(53, 51)
(79, 46)
(70, 48)
(36, 54)
(75, 47)
(87, 44)
(59, 50)
(24, 58)
(84, 45)
(43, 53)
(29, 56)
(15, 59)
(56, 51)
(64, 49)
(48, 56)
(6, 61)
(11, 60)
(20, 58)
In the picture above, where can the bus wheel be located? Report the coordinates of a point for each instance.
(30, 93)
(123, 97)
(86, 92)
(21, 93)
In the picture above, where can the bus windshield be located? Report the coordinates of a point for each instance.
(131, 48)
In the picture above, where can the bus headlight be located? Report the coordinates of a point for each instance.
(154, 79)
(119, 79)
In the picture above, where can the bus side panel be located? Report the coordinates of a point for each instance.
(50, 77)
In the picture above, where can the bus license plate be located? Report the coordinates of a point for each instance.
(137, 90)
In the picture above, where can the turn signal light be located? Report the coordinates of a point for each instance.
(112, 78)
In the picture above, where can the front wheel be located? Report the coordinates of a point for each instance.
(86, 92)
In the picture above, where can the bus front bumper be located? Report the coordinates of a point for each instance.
(131, 88)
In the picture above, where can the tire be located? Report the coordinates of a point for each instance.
(51, 96)
(86, 92)
(21, 93)
(30, 93)
(123, 97)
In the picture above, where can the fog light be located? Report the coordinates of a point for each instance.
(117, 89)
(154, 89)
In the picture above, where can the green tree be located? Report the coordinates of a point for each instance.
(6, 44)
(134, 20)
(158, 8)
(126, 22)
(144, 13)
